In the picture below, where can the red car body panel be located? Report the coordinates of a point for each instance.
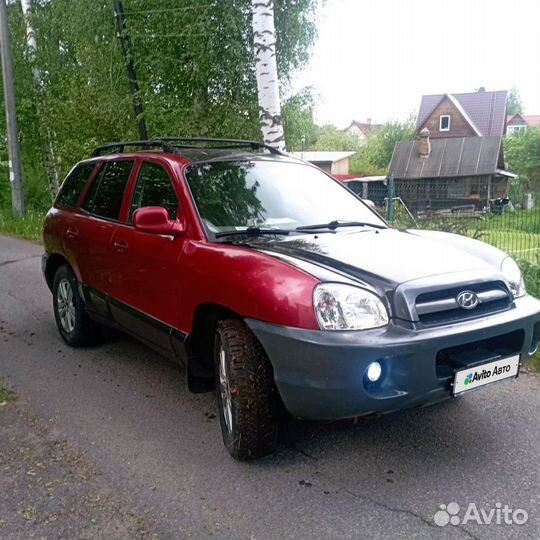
(248, 282)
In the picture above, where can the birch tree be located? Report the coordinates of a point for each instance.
(264, 44)
(31, 44)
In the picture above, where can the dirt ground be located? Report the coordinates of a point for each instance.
(47, 491)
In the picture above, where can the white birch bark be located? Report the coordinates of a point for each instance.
(31, 45)
(264, 43)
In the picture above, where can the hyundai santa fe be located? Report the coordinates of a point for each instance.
(274, 284)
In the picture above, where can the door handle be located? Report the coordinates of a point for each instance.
(120, 246)
(72, 233)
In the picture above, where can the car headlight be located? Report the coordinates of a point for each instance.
(343, 307)
(511, 272)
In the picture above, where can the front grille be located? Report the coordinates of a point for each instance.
(439, 307)
(453, 358)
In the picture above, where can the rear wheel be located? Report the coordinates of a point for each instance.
(72, 321)
(246, 394)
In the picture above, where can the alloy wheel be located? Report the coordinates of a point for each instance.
(66, 305)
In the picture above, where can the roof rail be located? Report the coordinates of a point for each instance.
(225, 143)
(120, 146)
(170, 144)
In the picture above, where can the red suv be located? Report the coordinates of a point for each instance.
(272, 281)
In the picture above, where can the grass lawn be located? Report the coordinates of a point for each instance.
(518, 244)
(5, 396)
(28, 227)
(536, 361)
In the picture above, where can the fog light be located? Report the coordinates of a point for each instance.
(374, 371)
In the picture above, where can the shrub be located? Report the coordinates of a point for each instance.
(531, 274)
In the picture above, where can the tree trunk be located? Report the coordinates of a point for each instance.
(264, 43)
(47, 148)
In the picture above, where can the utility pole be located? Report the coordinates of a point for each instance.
(132, 77)
(47, 146)
(15, 176)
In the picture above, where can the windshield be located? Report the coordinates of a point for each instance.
(232, 196)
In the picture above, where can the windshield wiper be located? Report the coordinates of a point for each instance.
(332, 225)
(253, 231)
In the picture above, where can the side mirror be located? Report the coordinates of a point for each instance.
(156, 220)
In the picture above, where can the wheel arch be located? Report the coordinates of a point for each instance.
(54, 262)
(200, 342)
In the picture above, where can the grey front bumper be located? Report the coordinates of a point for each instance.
(321, 374)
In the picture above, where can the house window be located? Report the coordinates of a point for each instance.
(512, 130)
(444, 122)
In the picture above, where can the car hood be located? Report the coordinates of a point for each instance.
(388, 255)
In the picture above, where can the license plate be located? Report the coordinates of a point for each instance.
(475, 377)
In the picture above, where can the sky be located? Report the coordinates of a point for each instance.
(376, 58)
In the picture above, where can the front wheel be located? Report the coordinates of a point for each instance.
(72, 321)
(246, 394)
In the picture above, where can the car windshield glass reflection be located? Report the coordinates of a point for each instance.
(233, 196)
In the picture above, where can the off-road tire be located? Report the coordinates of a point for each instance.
(253, 394)
(85, 331)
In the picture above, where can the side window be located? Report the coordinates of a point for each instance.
(154, 188)
(73, 185)
(107, 191)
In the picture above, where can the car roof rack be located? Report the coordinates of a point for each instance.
(223, 143)
(120, 147)
(171, 144)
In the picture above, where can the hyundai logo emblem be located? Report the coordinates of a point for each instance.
(467, 300)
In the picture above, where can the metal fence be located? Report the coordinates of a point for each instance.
(504, 216)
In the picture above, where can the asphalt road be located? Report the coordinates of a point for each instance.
(128, 415)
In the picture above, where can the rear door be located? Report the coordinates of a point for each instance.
(58, 236)
(145, 265)
(93, 227)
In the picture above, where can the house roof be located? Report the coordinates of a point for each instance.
(485, 111)
(532, 119)
(450, 157)
(365, 127)
(322, 157)
(528, 119)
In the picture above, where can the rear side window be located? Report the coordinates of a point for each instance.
(107, 191)
(73, 185)
(154, 188)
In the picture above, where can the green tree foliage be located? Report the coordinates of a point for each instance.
(194, 63)
(377, 152)
(522, 152)
(372, 155)
(330, 138)
(300, 129)
(515, 105)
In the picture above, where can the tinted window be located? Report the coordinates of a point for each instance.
(73, 185)
(154, 188)
(232, 196)
(107, 191)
